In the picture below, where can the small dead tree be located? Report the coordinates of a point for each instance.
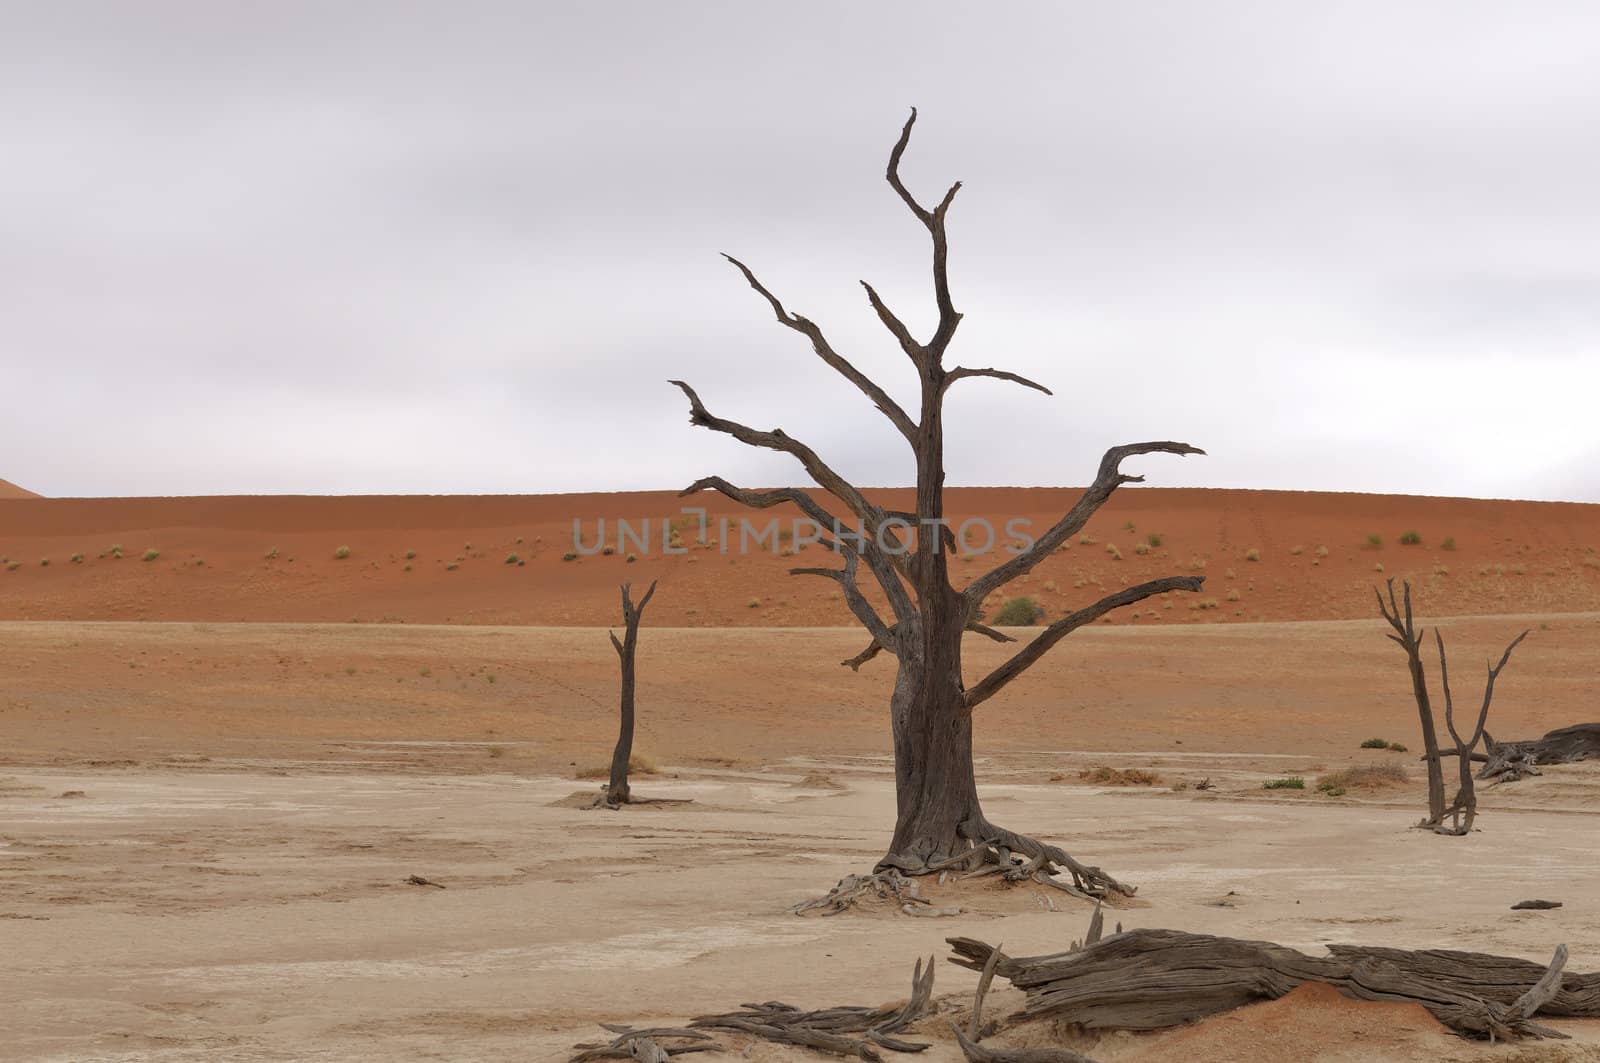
(1463, 809)
(617, 789)
(939, 823)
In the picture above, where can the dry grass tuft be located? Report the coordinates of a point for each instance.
(1364, 777)
(638, 764)
(1101, 775)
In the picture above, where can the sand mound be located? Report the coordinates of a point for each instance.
(11, 490)
(817, 781)
(1313, 1014)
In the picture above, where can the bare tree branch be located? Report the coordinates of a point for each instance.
(875, 648)
(819, 343)
(989, 632)
(962, 372)
(872, 517)
(895, 326)
(883, 567)
(934, 349)
(857, 602)
(1109, 478)
(1024, 658)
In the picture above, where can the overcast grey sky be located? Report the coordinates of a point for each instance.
(444, 248)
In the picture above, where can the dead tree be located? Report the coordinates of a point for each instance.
(1463, 808)
(617, 789)
(1410, 640)
(939, 823)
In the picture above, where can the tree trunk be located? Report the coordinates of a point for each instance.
(627, 647)
(1430, 738)
(936, 792)
(617, 791)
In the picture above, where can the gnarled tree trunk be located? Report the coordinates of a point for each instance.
(939, 822)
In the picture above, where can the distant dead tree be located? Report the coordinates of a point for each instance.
(939, 822)
(1463, 809)
(617, 792)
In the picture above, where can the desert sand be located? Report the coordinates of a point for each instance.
(274, 559)
(211, 803)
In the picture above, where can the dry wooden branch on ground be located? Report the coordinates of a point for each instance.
(826, 1030)
(645, 1046)
(1510, 761)
(1152, 979)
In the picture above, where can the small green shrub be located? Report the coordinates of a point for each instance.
(1411, 538)
(1141, 548)
(1154, 540)
(1374, 541)
(1019, 612)
(1449, 543)
(451, 567)
(608, 551)
(513, 559)
(1292, 782)
(151, 554)
(411, 555)
(569, 556)
(44, 562)
(753, 603)
(272, 554)
(341, 553)
(1252, 554)
(406, 569)
(1375, 743)
(1396, 747)
(76, 559)
(12, 566)
(631, 558)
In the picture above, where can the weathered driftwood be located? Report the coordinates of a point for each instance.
(922, 615)
(1510, 761)
(1152, 979)
(829, 1029)
(616, 793)
(645, 1045)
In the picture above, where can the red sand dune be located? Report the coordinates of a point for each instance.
(11, 490)
(1314, 561)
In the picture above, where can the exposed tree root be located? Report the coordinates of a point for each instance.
(826, 1030)
(1016, 858)
(610, 804)
(887, 885)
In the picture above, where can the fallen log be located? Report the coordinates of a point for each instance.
(1153, 979)
(1510, 761)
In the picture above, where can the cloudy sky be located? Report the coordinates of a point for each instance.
(442, 248)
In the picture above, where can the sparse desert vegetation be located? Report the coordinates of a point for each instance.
(1019, 612)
